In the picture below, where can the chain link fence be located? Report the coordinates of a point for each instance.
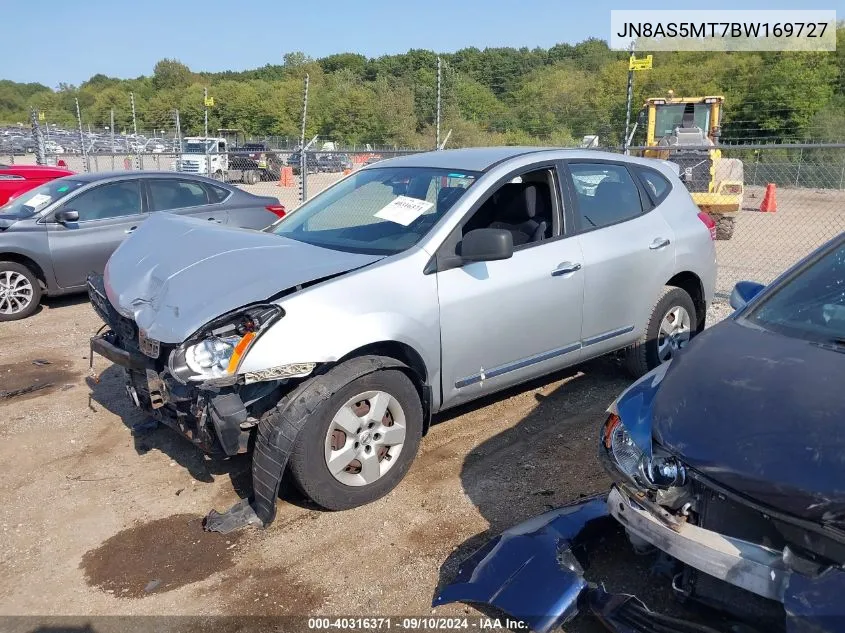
(781, 202)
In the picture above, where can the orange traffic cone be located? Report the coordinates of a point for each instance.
(769, 204)
(286, 177)
(347, 171)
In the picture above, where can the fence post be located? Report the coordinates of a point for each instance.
(86, 163)
(111, 123)
(303, 160)
(842, 178)
(798, 171)
(140, 159)
(437, 141)
(40, 150)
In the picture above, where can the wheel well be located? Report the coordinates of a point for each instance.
(692, 285)
(411, 358)
(29, 263)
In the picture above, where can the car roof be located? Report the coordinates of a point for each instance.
(111, 175)
(483, 158)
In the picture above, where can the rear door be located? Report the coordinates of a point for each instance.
(629, 252)
(184, 197)
(247, 210)
(108, 214)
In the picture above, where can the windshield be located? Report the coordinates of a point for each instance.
(811, 304)
(377, 211)
(32, 201)
(668, 117)
(194, 147)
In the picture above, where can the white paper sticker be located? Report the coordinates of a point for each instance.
(38, 200)
(404, 210)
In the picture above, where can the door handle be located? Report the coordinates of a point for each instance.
(564, 268)
(130, 229)
(659, 242)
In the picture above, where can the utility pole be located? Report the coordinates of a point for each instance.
(205, 103)
(437, 143)
(303, 161)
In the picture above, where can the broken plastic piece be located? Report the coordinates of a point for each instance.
(239, 515)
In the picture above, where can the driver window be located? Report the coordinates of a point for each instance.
(524, 206)
(112, 200)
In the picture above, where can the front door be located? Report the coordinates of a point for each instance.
(503, 322)
(108, 214)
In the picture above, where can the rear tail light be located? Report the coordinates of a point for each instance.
(709, 223)
(279, 210)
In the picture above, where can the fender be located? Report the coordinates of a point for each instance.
(277, 434)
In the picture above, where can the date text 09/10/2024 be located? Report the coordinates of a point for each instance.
(422, 623)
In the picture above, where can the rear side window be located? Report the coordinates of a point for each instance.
(216, 194)
(606, 194)
(655, 183)
(176, 194)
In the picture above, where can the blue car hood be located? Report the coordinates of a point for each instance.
(176, 274)
(761, 414)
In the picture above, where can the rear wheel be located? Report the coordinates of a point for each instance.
(250, 177)
(670, 328)
(20, 292)
(360, 441)
(218, 175)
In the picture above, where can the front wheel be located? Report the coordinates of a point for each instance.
(20, 292)
(360, 441)
(670, 328)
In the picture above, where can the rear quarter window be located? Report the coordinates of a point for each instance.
(655, 183)
(216, 194)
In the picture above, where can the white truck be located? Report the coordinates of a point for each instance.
(209, 156)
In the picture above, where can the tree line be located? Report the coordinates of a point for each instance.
(491, 96)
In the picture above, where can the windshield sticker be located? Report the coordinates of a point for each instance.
(404, 210)
(62, 189)
(457, 175)
(38, 200)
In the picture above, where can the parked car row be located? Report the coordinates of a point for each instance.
(53, 235)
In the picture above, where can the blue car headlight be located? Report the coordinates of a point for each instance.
(656, 471)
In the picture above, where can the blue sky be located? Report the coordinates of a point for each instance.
(56, 41)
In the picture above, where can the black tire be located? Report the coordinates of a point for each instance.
(724, 226)
(251, 177)
(218, 175)
(308, 463)
(35, 300)
(642, 357)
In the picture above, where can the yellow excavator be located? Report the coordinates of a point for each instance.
(681, 129)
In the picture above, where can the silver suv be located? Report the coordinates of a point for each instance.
(407, 288)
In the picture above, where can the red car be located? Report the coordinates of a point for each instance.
(15, 179)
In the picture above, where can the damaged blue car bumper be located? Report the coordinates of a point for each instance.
(531, 571)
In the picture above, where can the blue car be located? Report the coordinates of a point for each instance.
(730, 459)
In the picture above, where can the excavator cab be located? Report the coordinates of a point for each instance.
(684, 130)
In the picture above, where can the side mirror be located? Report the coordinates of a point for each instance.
(743, 292)
(67, 215)
(486, 245)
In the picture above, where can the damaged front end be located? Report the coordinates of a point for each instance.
(194, 387)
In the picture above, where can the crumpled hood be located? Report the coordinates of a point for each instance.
(176, 274)
(761, 414)
(7, 220)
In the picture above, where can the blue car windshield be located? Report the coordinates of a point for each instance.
(810, 304)
(31, 202)
(380, 211)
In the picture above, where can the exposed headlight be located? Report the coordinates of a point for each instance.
(626, 453)
(659, 471)
(217, 349)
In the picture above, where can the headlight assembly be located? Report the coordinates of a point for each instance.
(659, 471)
(215, 352)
